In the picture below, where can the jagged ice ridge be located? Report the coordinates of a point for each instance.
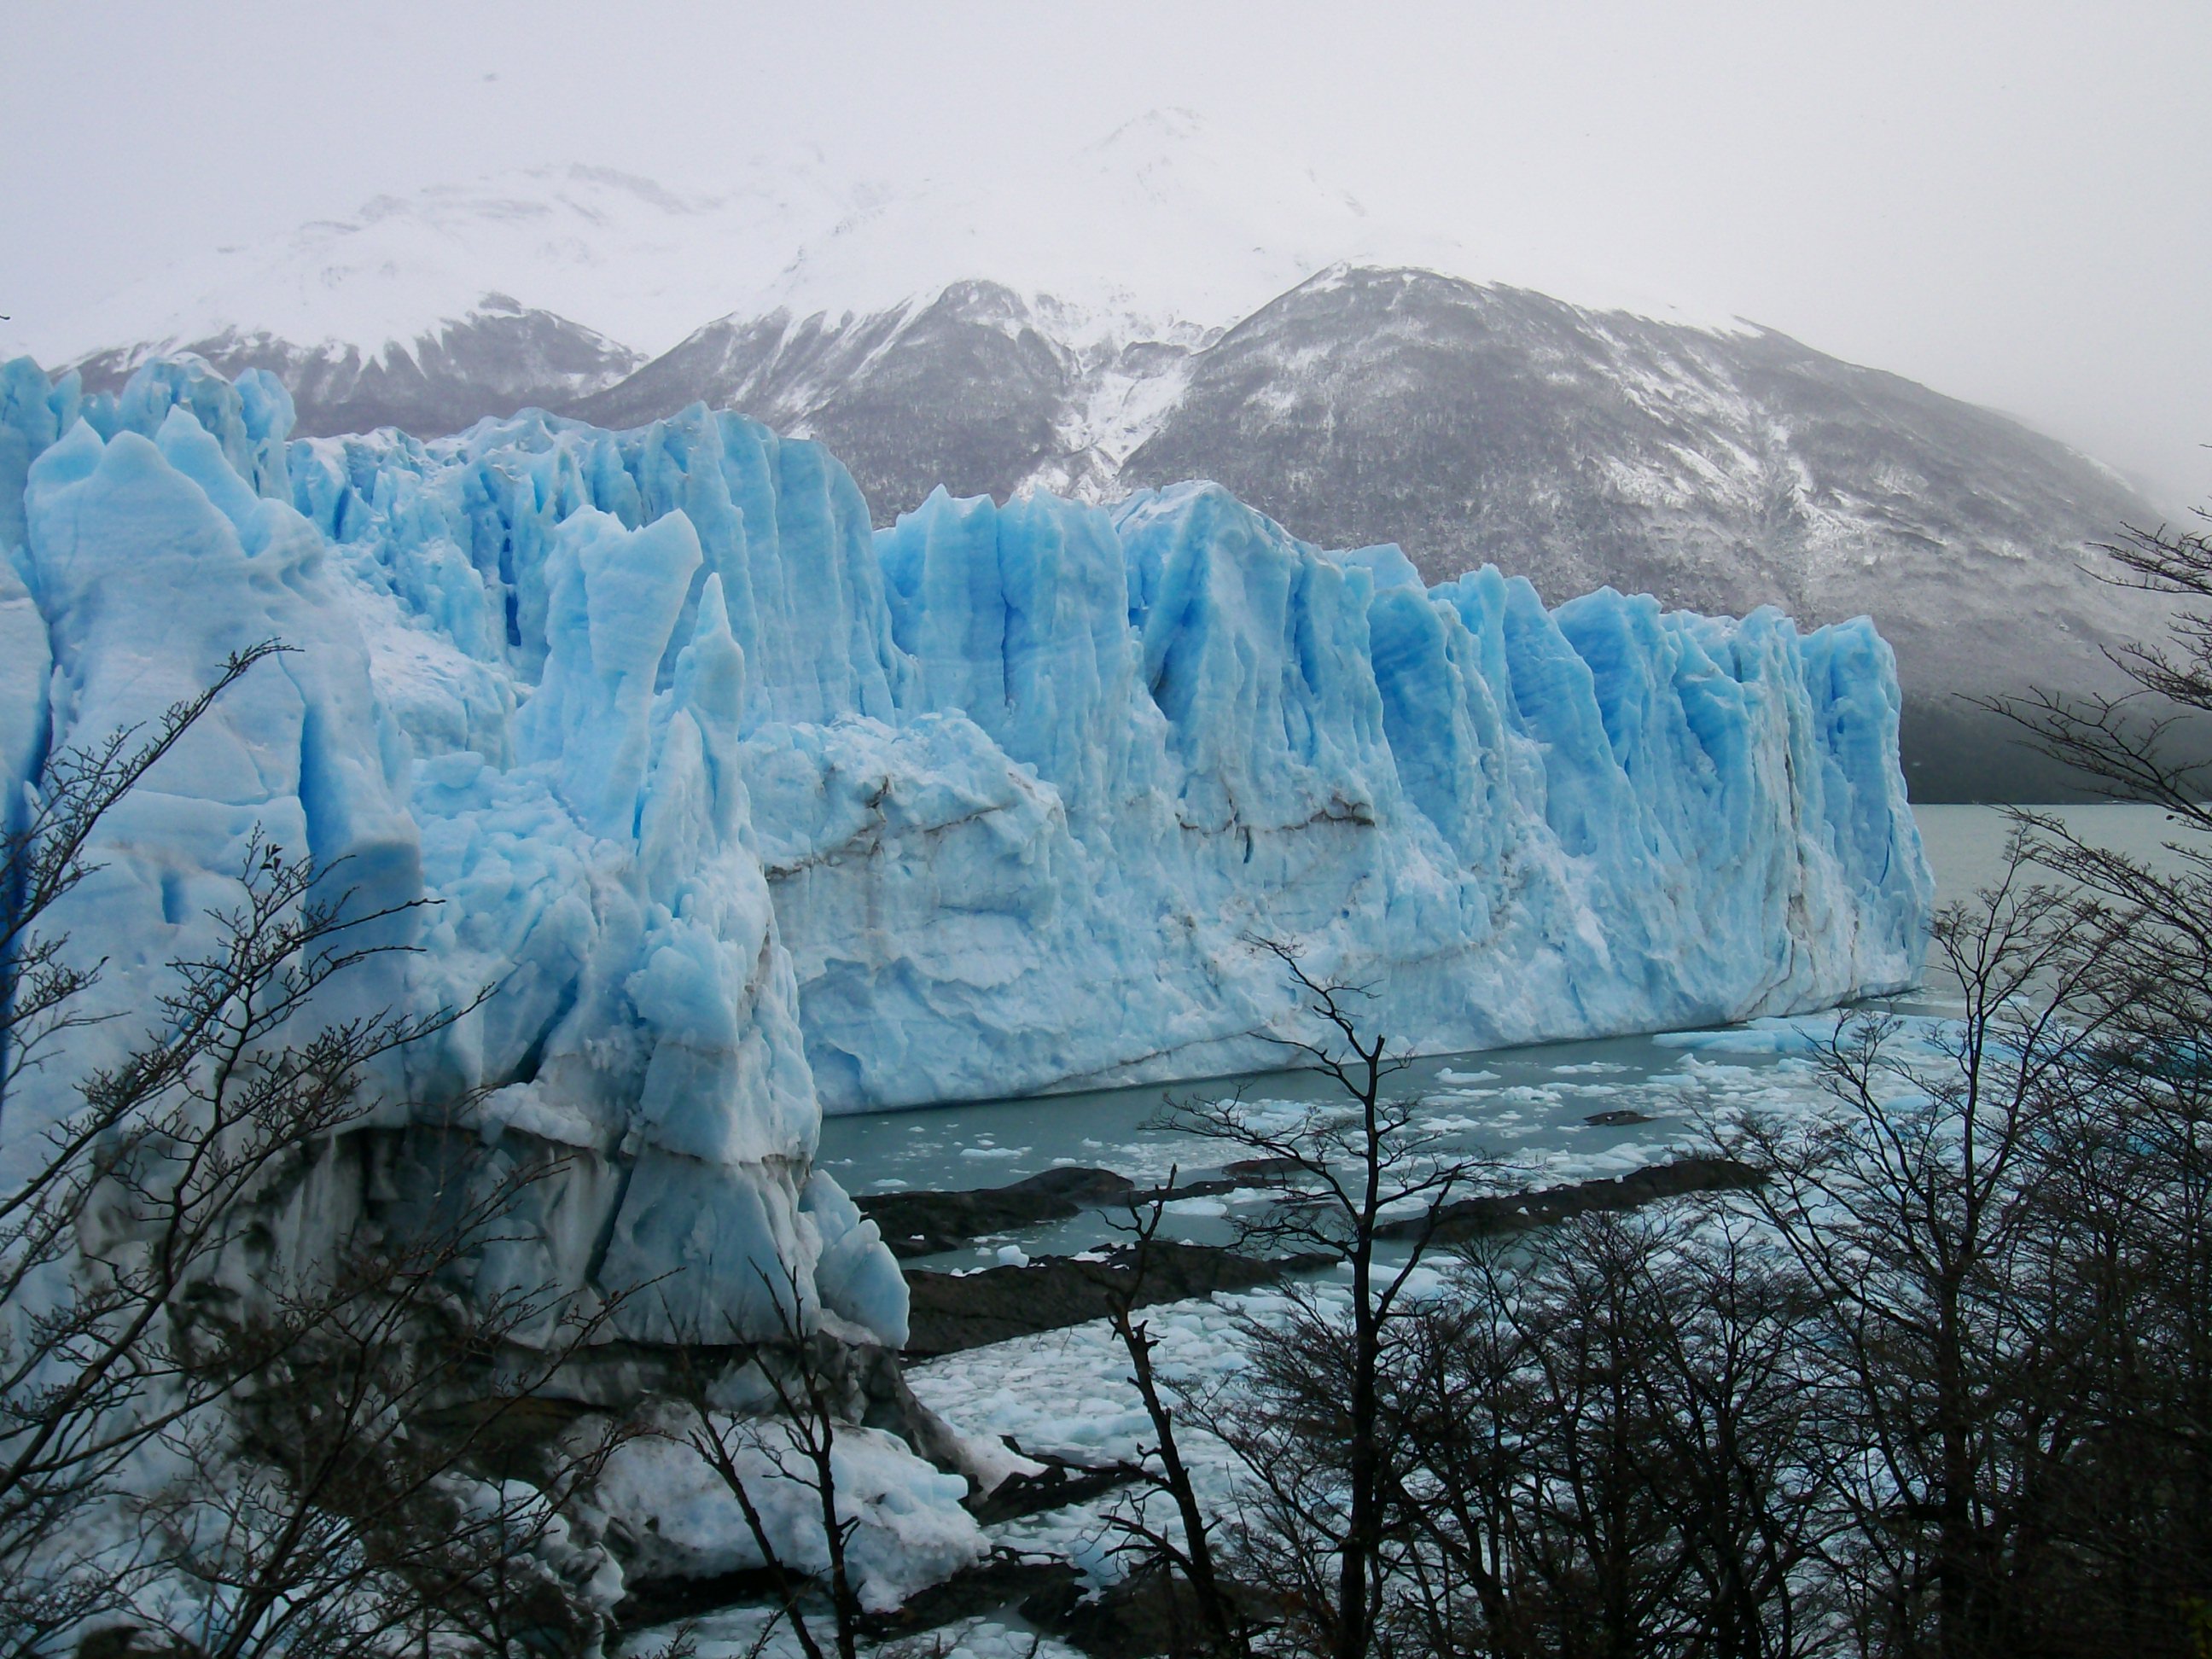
(750, 813)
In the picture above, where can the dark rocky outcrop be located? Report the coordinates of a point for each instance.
(1058, 1484)
(991, 1586)
(1507, 1212)
(1152, 1611)
(953, 1311)
(965, 389)
(926, 1224)
(500, 358)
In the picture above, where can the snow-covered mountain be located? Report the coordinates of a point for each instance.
(1169, 304)
(1164, 228)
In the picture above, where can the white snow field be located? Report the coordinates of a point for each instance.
(1165, 229)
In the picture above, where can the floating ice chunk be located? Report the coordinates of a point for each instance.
(1199, 1208)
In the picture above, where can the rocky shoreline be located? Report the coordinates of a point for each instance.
(955, 1310)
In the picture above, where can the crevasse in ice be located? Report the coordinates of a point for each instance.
(749, 813)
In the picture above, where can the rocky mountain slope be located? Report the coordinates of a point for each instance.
(497, 358)
(1719, 471)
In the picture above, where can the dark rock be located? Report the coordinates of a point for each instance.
(128, 1642)
(952, 1312)
(1505, 1213)
(1206, 1187)
(500, 358)
(966, 390)
(1002, 1580)
(1150, 1611)
(916, 1223)
(1061, 1483)
(989, 1586)
(973, 1592)
(662, 1601)
(1262, 1170)
(928, 1223)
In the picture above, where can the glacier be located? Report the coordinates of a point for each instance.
(750, 813)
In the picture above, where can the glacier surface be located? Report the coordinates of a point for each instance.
(750, 813)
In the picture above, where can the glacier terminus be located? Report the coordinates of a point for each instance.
(748, 812)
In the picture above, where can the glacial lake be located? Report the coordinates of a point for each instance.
(1528, 1108)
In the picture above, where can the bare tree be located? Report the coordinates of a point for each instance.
(1228, 1629)
(1746, 1423)
(1607, 1440)
(368, 1477)
(1319, 1448)
(2150, 745)
(1938, 1385)
(1925, 1214)
(1597, 1563)
(2128, 1527)
(798, 1443)
(157, 1308)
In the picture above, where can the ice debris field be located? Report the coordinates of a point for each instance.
(1543, 1116)
(749, 813)
(1067, 1393)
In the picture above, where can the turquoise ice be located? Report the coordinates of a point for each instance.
(752, 813)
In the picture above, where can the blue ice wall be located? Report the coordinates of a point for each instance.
(758, 814)
(511, 703)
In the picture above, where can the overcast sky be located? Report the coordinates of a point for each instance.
(2012, 203)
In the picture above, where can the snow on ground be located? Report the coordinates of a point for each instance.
(1162, 230)
(1067, 1393)
(909, 1531)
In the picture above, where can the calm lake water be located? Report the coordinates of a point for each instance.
(1528, 1106)
(1965, 844)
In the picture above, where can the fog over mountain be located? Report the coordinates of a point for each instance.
(1169, 304)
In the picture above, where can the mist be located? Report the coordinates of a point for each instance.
(2008, 204)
